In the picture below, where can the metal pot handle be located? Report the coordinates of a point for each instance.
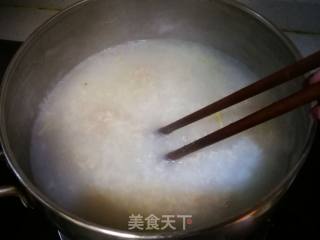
(8, 190)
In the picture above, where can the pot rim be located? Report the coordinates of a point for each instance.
(43, 199)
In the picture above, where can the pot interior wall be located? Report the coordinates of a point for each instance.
(88, 28)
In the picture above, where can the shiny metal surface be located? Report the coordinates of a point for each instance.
(8, 191)
(11, 190)
(91, 26)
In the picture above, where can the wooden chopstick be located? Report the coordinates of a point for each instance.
(308, 94)
(285, 74)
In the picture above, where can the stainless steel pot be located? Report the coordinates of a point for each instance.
(90, 26)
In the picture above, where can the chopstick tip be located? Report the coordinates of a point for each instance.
(171, 156)
(164, 130)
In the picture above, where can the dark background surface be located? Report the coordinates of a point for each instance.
(16, 221)
(296, 216)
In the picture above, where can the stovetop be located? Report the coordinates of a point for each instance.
(295, 216)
